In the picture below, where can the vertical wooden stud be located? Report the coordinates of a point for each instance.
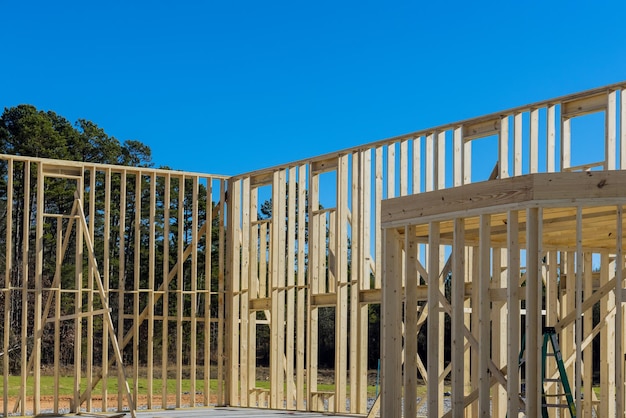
(233, 290)
(513, 297)
(610, 146)
(517, 145)
(411, 250)
(440, 170)
(417, 164)
(151, 287)
(8, 285)
(302, 290)
(551, 139)
(435, 388)
(566, 143)
(533, 152)
(484, 332)
(458, 314)
(404, 167)
(165, 297)
(38, 292)
(503, 148)
(290, 335)
(137, 283)
(619, 314)
(391, 171)
(429, 162)
(378, 197)
(458, 156)
(244, 320)
(533, 314)
(579, 312)
(121, 277)
(391, 326)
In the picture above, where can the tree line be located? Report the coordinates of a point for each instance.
(26, 131)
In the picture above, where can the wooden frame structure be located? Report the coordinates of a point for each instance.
(330, 237)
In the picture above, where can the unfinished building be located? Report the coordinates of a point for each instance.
(506, 225)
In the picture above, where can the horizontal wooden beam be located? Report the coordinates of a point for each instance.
(523, 191)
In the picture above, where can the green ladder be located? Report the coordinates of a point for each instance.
(550, 337)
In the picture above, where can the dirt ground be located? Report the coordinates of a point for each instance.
(262, 374)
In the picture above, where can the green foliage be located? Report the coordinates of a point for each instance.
(26, 131)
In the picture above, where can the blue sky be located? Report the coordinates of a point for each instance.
(234, 86)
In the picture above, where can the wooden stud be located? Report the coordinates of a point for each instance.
(566, 143)
(244, 343)
(587, 352)
(533, 313)
(619, 315)
(610, 146)
(513, 322)
(458, 317)
(440, 170)
(222, 396)
(579, 311)
(90, 287)
(484, 275)
(378, 197)
(459, 158)
(121, 277)
(391, 171)
(165, 297)
(151, 287)
(411, 258)
(233, 291)
(435, 388)
(391, 332)
(417, 164)
(517, 145)
(404, 167)
(429, 163)
(302, 291)
(106, 274)
(8, 257)
(533, 151)
(503, 148)
(341, 307)
(137, 285)
(194, 289)
(38, 291)
(607, 336)
(551, 140)
(291, 282)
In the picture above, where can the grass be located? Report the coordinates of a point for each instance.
(66, 386)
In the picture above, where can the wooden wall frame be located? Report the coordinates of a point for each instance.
(342, 228)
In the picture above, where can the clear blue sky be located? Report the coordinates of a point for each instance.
(233, 86)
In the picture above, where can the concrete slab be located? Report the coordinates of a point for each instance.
(232, 412)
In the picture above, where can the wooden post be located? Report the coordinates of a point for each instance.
(610, 146)
(458, 297)
(533, 313)
(513, 322)
(391, 326)
(579, 311)
(484, 332)
(410, 318)
(341, 307)
(302, 290)
(619, 314)
(435, 388)
(165, 297)
(244, 344)
(503, 148)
